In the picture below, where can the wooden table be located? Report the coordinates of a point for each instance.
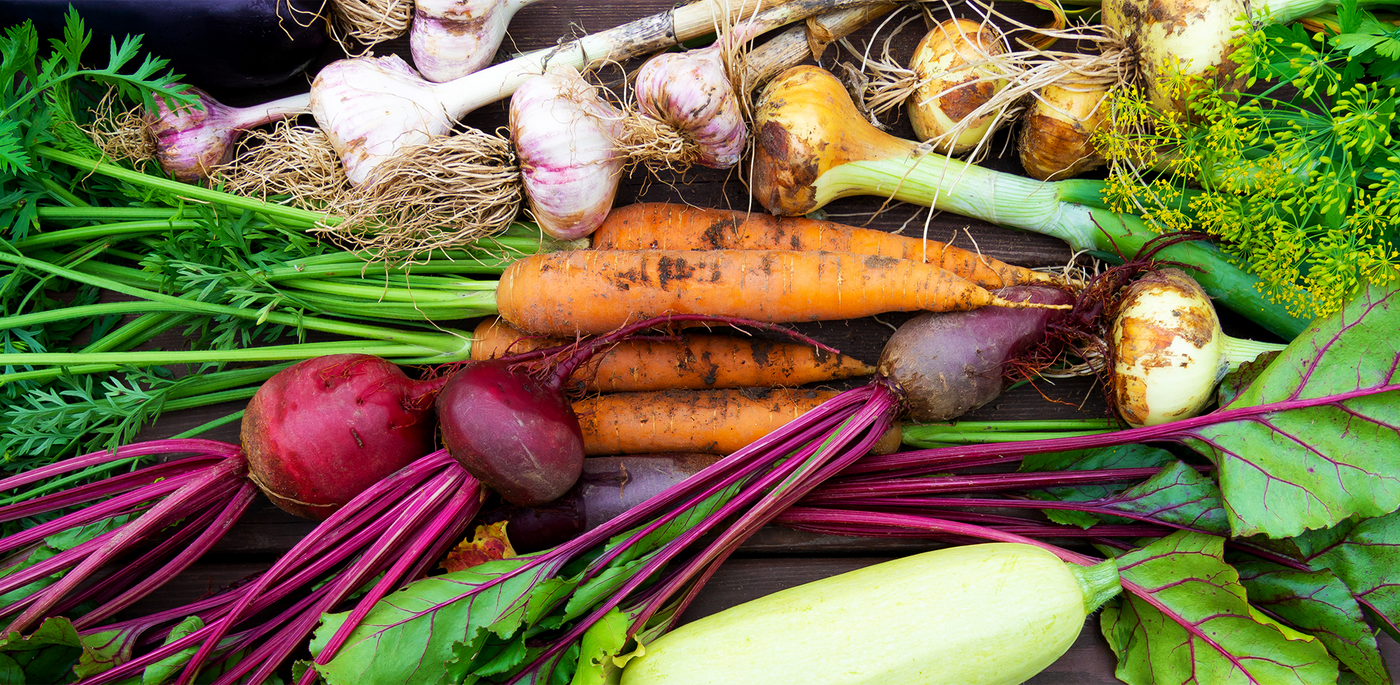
(775, 558)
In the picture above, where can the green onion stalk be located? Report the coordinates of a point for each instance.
(813, 147)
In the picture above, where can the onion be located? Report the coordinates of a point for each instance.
(1058, 129)
(1169, 350)
(955, 78)
(566, 138)
(452, 38)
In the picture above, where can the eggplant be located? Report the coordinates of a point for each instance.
(217, 45)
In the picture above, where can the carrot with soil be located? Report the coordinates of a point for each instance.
(666, 226)
(711, 421)
(690, 362)
(600, 290)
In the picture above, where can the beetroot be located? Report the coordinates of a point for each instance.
(515, 433)
(949, 363)
(321, 431)
(508, 422)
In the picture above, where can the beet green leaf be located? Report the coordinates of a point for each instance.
(1184, 617)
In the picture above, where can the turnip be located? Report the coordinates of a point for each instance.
(950, 363)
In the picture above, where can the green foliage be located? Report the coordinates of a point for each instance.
(1313, 466)
(1299, 174)
(1195, 623)
(26, 80)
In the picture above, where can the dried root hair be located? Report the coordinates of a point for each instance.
(121, 133)
(356, 24)
(295, 162)
(655, 145)
(441, 194)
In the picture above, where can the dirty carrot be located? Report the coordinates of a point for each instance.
(691, 361)
(666, 226)
(595, 291)
(708, 421)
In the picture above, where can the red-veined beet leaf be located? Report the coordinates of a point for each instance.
(1328, 451)
(1188, 621)
(1320, 604)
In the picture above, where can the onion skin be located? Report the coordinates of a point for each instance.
(946, 50)
(1173, 38)
(566, 137)
(691, 91)
(809, 125)
(1168, 349)
(1057, 134)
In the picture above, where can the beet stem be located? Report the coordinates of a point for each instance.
(212, 533)
(106, 487)
(143, 449)
(446, 525)
(175, 506)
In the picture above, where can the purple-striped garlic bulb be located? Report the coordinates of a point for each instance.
(191, 140)
(453, 38)
(373, 107)
(566, 137)
(691, 92)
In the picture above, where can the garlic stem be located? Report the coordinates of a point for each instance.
(191, 141)
(795, 44)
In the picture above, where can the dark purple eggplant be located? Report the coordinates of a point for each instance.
(607, 487)
(217, 44)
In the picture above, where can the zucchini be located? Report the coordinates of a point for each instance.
(988, 614)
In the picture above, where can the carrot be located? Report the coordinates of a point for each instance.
(695, 362)
(665, 226)
(712, 421)
(592, 291)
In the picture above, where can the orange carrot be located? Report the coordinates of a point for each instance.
(713, 421)
(695, 362)
(593, 291)
(665, 226)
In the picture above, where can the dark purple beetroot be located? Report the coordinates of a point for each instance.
(950, 363)
(515, 433)
(322, 430)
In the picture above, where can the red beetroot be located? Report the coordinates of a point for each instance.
(322, 430)
(515, 430)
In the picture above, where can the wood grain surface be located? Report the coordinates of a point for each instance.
(775, 558)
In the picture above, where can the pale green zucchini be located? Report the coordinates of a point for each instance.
(989, 614)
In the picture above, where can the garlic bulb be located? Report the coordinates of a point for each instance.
(566, 139)
(1169, 351)
(373, 107)
(453, 38)
(191, 140)
(692, 92)
(954, 80)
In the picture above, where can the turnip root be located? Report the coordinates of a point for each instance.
(950, 363)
